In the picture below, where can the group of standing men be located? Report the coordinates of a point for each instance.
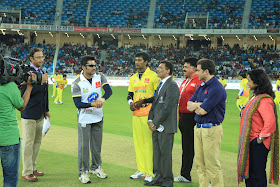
(34, 106)
(154, 99)
(154, 103)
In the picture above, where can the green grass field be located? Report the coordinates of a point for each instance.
(58, 153)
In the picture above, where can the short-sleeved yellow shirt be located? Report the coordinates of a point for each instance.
(223, 82)
(144, 88)
(243, 84)
(61, 83)
(56, 77)
(278, 84)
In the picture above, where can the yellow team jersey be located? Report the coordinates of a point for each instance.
(56, 77)
(61, 83)
(243, 84)
(278, 85)
(223, 82)
(144, 88)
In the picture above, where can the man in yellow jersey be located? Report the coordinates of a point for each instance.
(142, 84)
(54, 78)
(61, 84)
(243, 95)
(223, 81)
(277, 92)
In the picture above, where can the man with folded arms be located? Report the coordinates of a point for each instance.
(208, 103)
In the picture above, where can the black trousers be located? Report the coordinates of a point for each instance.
(257, 165)
(186, 125)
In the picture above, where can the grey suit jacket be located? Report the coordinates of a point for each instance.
(164, 107)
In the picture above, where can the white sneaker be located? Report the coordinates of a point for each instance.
(61, 102)
(148, 178)
(210, 185)
(84, 178)
(52, 96)
(99, 173)
(181, 179)
(137, 175)
(55, 102)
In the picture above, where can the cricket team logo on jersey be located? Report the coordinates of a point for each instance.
(140, 89)
(147, 80)
(93, 97)
(85, 90)
(98, 84)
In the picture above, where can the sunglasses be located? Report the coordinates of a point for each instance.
(91, 65)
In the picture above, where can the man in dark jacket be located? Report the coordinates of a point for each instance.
(33, 118)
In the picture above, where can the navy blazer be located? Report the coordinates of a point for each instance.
(38, 103)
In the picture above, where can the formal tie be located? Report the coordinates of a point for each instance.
(159, 85)
(39, 70)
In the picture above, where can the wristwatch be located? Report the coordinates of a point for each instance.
(261, 139)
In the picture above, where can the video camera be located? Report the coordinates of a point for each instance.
(13, 70)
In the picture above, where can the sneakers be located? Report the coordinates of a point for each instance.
(84, 178)
(181, 179)
(99, 173)
(55, 102)
(148, 178)
(60, 102)
(137, 175)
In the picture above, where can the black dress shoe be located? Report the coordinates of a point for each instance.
(153, 183)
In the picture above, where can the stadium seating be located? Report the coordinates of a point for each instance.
(232, 61)
(222, 14)
(113, 13)
(264, 14)
(134, 13)
(33, 11)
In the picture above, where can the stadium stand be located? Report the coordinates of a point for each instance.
(119, 62)
(134, 14)
(222, 14)
(131, 13)
(265, 14)
(33, 11)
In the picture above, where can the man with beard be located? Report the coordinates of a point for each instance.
(87, 96)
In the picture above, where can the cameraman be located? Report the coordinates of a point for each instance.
(32, 118)
(9, 131)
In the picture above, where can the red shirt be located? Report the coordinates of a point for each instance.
(264, 122)
(187, 90)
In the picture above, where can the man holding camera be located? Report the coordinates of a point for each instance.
(32, 118)
(9, 131)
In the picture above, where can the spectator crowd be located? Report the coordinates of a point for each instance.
(230, 61)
